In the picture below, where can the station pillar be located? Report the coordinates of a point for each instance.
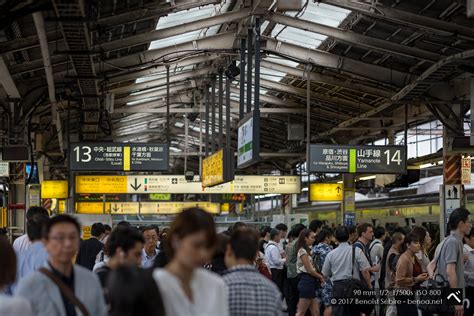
(347, 216)
(452, 194)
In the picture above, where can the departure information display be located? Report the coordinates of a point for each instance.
(357, 159)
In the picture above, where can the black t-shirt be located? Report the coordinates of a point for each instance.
(69, 282)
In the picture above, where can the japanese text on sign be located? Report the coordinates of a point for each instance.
(357, 159)
(118, 157)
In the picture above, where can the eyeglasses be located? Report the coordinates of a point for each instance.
(62, 239)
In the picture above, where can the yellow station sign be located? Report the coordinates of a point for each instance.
(101, 184)
(145, 208)
(177, 184)
(54, 189)
(213, 169)
(320, 192)
(92, 208)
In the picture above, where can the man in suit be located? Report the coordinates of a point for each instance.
(91, 247)
(61, 240)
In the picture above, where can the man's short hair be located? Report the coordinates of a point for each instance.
(379, 231)
(296, 230)
(397, 237)
(123, 237)
(342, 234)
(315, 225)
(281, 227)
(107, 228)
(60, 219)
(362, 228)
(352, 229)
(35, 226)
(274, 233)
(149, 227)
(458, 215)
(264, 231)
(32, 211)
(244, 243)
(97, 229)
(124, 224)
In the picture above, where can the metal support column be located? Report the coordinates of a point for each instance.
(242, 79)
(249, 69)
(213, 113)
(257, 68)
(221, 108)
(227, 112)
(206, 144)
(168, 105)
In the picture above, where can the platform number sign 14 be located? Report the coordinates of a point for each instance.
(395, 157)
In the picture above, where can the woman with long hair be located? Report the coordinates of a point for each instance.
(309, 277)
(186, 287)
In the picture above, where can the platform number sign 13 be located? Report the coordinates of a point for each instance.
(83, 153)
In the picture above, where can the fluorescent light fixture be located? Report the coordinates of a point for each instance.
(304, 189)
(431, 164)
(340, 181)
(366, 178)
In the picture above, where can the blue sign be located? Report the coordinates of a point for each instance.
(349, 219)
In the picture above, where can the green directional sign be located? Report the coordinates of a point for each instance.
(357, 159)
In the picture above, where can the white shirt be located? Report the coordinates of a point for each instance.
(469, 265)
(13, 305)
(209, 294)
(21, 243)
(148, 261)
(273, 256)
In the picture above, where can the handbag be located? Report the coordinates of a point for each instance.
(358, 285)
(441, 285)
(66, 291)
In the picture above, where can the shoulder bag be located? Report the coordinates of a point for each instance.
(65, 290)
(357, 284)
(438, 282)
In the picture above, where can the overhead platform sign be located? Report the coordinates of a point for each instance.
(179, 185)
(118, 157)
(319, 192)
(218, 168)
(54, 189)
(248, 142)
(357, 159)
(143, 208)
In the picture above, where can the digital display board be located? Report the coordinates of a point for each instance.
(118, 157)
(248, 142)
(357, 159)
(218, 168)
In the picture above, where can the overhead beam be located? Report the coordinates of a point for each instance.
(154, 70)
(356, 39)
(7, 81)
(353, 106)
(179, 29)
(403, 93)
(156, 93)
(404, 18)
(223, 41)
(325, 79)
(183, 76)
(351, 66)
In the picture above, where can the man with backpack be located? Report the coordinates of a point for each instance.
(376, 252)
(366, 234)
(448, 262)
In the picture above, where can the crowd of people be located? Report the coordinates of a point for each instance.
(190, 269)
